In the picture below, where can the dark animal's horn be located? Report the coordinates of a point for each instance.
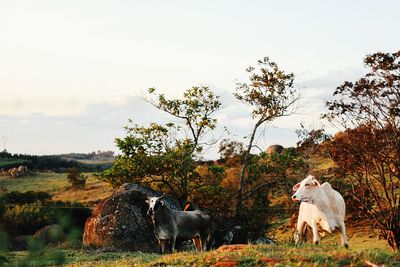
(163, 195)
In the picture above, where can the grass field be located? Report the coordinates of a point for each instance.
(365, 246)
(254, 255)
(57, 185)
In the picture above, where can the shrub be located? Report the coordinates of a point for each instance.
(31, 211)
(76, 178)
(25, 198)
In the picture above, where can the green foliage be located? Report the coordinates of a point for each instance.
(28, 197)
(2, 208)
(36, 247)
(58, 257)
(270, 92)
(310, 139)
(284, 169)
(157, 156)
(4, 242)
(231, 152)
(195, 108)
(152, 157)
(38, 255)
(25, 215)
(212, 195)
(76, 178)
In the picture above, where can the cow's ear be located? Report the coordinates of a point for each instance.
(296, 187)
(147, 201)
(162, 203)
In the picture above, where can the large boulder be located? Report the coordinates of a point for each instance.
(274, 149)
(120, 221)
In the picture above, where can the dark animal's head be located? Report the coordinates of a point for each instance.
(154, 204)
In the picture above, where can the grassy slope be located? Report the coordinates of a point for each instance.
(57, 185)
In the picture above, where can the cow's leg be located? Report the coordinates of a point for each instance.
(196, 243)
(344, 238)
(298, 238)
(173, 240)
(162, 246)
(316, 237)
(203, 243)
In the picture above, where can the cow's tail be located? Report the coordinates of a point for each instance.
(210, 234)
(208, 240)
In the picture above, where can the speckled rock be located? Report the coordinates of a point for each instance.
(120, 221)
(274, 149)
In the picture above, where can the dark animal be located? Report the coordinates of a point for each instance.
(172, 224)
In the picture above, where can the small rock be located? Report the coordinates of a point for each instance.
(50, 234)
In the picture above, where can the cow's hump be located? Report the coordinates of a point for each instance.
(330, 193)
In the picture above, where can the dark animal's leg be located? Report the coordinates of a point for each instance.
(203, 243)
(162, 246)
(173, 240)
(208, 241)
(196, 243)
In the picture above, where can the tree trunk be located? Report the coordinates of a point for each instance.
(239, 197)
(393, 238)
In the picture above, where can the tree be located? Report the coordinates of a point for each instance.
(76, 178)
(231, 152)
(196, 109)
(159, 156)
(368, 150)
(282, 171)
(311, 139)
(271, 94)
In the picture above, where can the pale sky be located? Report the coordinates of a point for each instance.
(72, 72)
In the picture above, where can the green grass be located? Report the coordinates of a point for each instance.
(57, 185)
(260, 255)
(49, 182)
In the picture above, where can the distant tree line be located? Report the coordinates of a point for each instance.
(92, 156)
(48, 162)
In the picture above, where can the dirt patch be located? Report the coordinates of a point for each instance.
(232, 247)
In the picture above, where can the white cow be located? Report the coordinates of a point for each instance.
(321, 207)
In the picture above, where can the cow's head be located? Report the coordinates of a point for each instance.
(154, 204)
(306, 189)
